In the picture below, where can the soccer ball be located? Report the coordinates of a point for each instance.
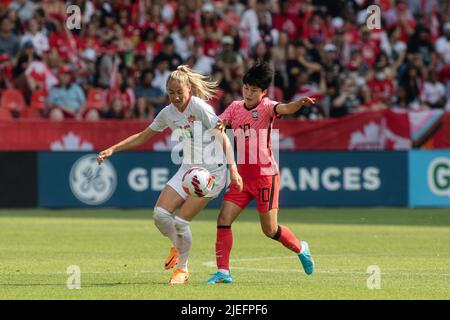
(198, 182)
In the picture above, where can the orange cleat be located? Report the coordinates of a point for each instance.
(172, 259)
(179, 276)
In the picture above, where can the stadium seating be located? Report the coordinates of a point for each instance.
(13, 100)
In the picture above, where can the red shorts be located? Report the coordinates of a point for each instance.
(264, 188)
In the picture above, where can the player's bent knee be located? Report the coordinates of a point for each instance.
(160, 213)
(269, 231)
(223, 220)
(161, 217)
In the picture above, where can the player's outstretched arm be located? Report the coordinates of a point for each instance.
(293, 107)
(130, 142)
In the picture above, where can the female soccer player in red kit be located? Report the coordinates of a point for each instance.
(251, 120)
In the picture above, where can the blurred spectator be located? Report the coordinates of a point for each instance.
(183, 41)
(228, 61)
(233, 92)
(315, 29)
(400, 100)
(141, 110)
(39, 75)
(306, 87)
(105, 67)
(148, 45)
(267, 34)
(280, 54)
(25, 9)
(434, 92)
(329, 60)
(88, 44)
(6, 71)
(201, 63)
(250, 23)
(17, 25)
(155, 21)
(162, 73)
(299, 62)
(55, 8)
(9, 43)
(442, 45)
(260, 53)
(149, 98)
(67, 100)
(420, 42)
(381, 86)
(288, 21)
(61, 40)
(87, 72)
(168, 53)
(182, 15)
(411, 81)
(115, 109)
(399, 16)
(38, 38)
(25, 58)
(348, 100)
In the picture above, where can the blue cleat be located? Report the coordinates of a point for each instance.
(306, 259)
(220, 277)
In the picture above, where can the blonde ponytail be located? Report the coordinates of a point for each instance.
(201, 86)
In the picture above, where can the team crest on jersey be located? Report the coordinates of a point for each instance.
(255, 115)
(191, 118)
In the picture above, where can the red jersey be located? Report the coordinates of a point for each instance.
(252, 130)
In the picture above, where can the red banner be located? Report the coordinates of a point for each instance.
(73, 135)
(357, 131)
(377, 130)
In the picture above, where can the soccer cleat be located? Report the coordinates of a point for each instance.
(179, 276)
(220, 277)
(172, 259)
(306, 259)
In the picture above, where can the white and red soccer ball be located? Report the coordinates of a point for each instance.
(198, 182)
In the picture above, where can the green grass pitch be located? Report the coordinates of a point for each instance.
(120, 254)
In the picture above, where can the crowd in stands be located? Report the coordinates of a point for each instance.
(114, 62)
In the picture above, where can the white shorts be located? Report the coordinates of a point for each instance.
(220, 174)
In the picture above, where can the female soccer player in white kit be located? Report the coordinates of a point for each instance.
(187, 111)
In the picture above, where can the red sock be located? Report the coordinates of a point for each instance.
(224, 242)
(288, 239)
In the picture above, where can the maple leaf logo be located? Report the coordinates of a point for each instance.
(191, 118)
(71, 142)
(369, 139)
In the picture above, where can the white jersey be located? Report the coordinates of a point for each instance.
(193, 126)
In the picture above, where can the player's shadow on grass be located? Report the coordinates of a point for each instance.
(337, 216)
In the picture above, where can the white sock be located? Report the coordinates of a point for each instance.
(165, 223)
(224, 271)
(184, 241)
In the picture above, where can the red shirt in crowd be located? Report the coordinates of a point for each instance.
(381, 89)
